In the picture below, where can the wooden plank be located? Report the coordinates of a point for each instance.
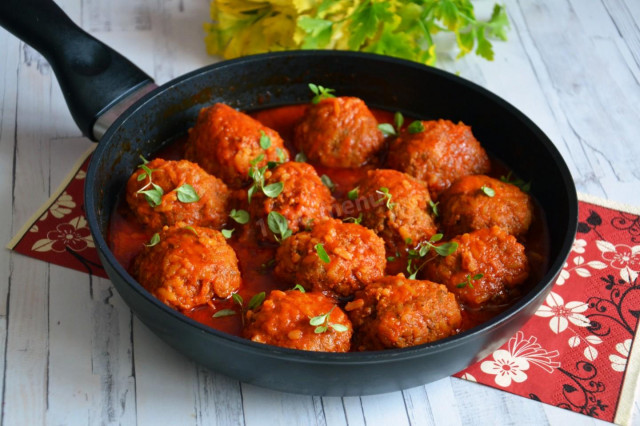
(218, 399)
(385, 409)
(263, 407)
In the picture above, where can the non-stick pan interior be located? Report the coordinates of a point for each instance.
(279, 79)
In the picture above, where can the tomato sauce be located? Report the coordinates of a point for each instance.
(127, 237)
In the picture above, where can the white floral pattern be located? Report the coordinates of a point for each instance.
(74, 235)
(62, 207)
(619, 362)
(562, 314)
(622, 257)
(510, 365)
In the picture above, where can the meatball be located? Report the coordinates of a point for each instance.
(304, 199)
(396, 312)
(478, 201)
(486, 266)
(188, 267)
(339, 132)
(207, 207)
(396, 207)
(225, 142)
(438, 155)
(356, 257)
(285, 319)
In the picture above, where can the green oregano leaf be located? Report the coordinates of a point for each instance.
(187, 194)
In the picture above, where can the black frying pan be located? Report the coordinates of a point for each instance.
(99, 84)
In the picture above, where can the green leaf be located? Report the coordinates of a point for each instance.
(489, 192)
(278, 224)
(435, 238)
(265, 141)
(398, 120)
(353, 194)
(256, 300)
(319, 32)
(318, 320)
(322, 254)
(273, 190)
(326, 180)
(387, 129)
(155, 239)
(339, 327)
(434, 208)
(320, 93)
(299, 288)
(153, 196)
(227, 233)
(416, 127)
(237, 298)
(141, 176)
(190, 229)
(300, 157)
(224, 313)
(387, 195)
(144, 160)
(187, 194)
(251, 191)
(240, 216)
(356, 220)
(446, 249)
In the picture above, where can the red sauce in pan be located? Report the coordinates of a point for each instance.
(127, 237)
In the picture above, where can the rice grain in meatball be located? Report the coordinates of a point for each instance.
(356, 257)
(188, 267)
(225, 141)
(396, 207)
(396, 312)
(492, 255)
(438, 154)
(339, 132)
(478, 201)
(207, 208)
(284, 319)
(304, 199)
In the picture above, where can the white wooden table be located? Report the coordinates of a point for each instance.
(70, 350)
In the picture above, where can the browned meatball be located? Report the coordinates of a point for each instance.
(487, 264)
(225, 142)
(188, 267)
(304, 199)
(438, 155)
(478, 201)
(339, 132)
(207, 208)
(356, 257)
(396, 312)
(396, 207)
(285, 319)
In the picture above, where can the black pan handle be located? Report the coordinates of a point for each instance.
(93, 77)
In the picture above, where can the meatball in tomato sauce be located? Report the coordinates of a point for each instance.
(335, 258)
(396, 312)
(227, 142)
(188, 267)
(180, 191)
(304, 199)
(479, 201)
(296, 320)
(339, 132)
(396, 207)
(487, 265)
(437, 152)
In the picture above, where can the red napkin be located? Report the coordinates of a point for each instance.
(577, 352)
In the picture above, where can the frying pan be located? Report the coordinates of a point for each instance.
(115, 102)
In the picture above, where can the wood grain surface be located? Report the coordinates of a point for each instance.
(70, 351)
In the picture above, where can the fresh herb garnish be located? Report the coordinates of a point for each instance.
(224, 313)
(254, 303)
(387, 129)
(300, 157)
(187, 194)
(387, 195)
(353, 194)
(322, 254)
(391, 130)
(265, 140)
(257, 174)
(154, 195)
(434, 208)
(489, 192)
(278, 225)
(227, 233)
(326, 180)
(155, 239)
(191, 228)
(524, 186)
(416, 127)
(322, 323)
(468, 279)
(320, 93)
(240, 216)
(398, 120)
(356, 220)
(299, 288)
(421, 251)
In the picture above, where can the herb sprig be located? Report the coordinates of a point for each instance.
(322, 323)
(468, 279)
(421, 250)
(279, 225)
(258, 175)
(320, 93)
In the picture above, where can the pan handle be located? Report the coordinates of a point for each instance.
(93, 77)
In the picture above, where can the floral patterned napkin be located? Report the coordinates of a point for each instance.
(577, 352)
